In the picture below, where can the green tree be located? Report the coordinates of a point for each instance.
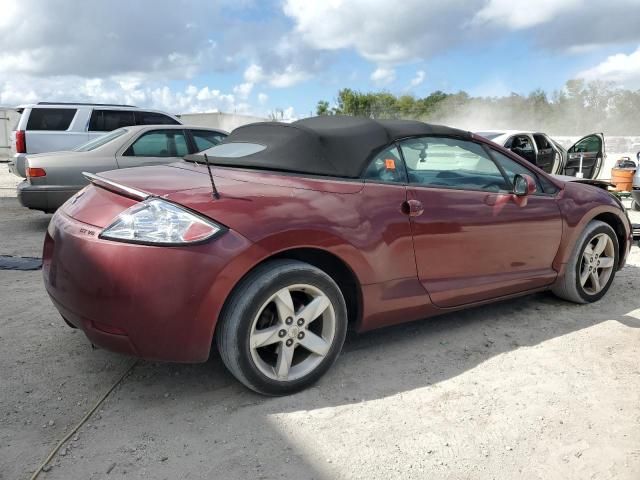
(578, 108)
(323, 108)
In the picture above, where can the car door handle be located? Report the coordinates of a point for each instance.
(413, 208)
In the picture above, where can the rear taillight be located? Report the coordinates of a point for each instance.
(21, 142)
(33, 172)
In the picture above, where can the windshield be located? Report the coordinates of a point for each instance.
(489, 135)
(100, 141)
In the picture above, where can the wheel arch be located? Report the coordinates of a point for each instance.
(328, 262)
(616, 223)
(338, 270)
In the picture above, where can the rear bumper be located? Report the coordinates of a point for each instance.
(43, 197)
(158, 303)
(17, 164)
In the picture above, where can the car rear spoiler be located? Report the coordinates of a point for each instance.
(116, 187)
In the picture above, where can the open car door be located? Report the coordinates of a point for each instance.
(589, 151)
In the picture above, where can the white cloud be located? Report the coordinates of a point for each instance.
(91, 39)
(24, 89)
(243, 90)
(621, 68)
(418, 79)
(378, 30)
(388, 33)
(254, 73)
(518, 14)
(263, 98)
(383, 76)
(289, 76)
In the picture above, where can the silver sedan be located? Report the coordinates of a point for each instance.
(54, 177)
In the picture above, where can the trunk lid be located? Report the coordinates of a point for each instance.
(190, 186)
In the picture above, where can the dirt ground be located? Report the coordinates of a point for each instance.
(529, 388)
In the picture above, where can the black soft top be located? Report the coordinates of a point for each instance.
(331, 145)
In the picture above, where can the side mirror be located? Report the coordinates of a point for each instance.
(523, 185)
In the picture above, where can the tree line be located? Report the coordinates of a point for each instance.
(580, 107)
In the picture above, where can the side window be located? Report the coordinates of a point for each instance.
(159, 143)
(512, 168)
(541, 142)
(154, 118)
(521, 143)
(205, 139)
(109, 120)
(451, 163)
(386, 166)
(592, 143)
(57, 119)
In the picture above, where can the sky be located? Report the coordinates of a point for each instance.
(259, 57)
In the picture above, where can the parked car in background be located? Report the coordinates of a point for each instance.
(52, 127)
(54, 177)
(547, 154)
(301, 230)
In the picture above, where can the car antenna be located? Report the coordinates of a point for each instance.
(214, 193)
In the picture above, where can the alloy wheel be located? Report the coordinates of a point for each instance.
(598, 261)
(292, 332)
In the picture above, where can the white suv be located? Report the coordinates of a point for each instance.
(50, 127)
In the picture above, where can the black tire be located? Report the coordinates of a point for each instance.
(236, 321)
(635, 206)
(569, 287)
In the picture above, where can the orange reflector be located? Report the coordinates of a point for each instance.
(33, 172)
(390, 164)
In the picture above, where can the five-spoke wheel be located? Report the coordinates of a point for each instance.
(292, 333)
(592, 265)
(283, 327)
(598, 261)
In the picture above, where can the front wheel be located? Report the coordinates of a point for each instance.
(592, 266)
(282, 327)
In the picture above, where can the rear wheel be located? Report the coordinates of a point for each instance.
(592, 266)
(283, 327)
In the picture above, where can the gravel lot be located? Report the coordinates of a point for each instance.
(530, 388)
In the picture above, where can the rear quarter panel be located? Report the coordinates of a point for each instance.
(365, 228)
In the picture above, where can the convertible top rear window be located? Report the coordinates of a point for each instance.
(233, 150)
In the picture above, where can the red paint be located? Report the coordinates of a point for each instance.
(414, 251)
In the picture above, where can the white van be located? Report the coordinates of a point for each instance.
(51, 127)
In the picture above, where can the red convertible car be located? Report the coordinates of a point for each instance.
(300, 231)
